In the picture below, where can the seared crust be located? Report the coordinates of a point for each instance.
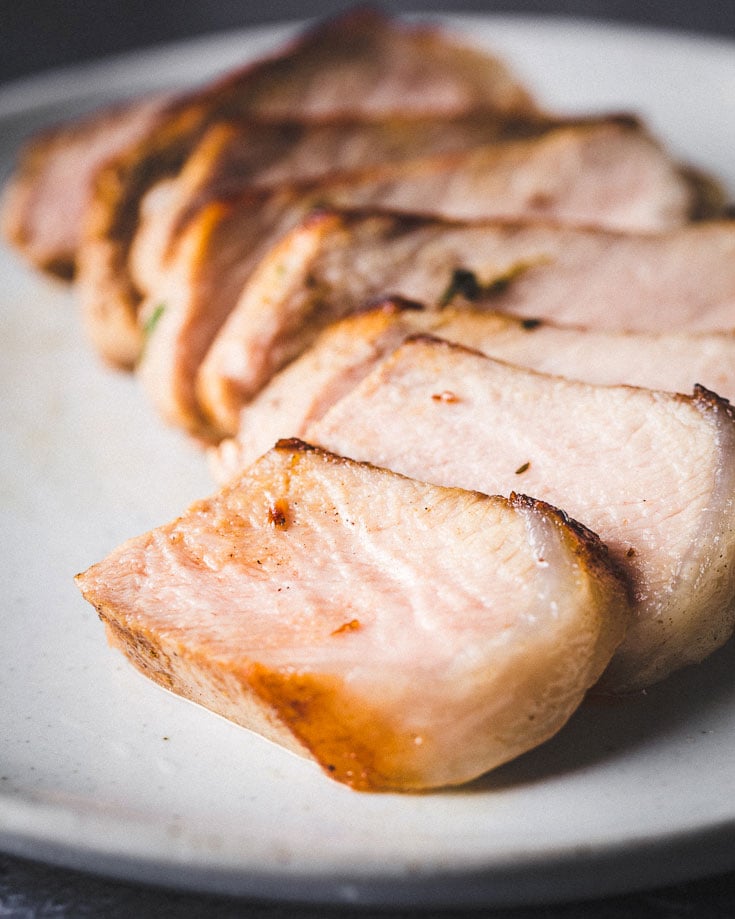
(471, 185)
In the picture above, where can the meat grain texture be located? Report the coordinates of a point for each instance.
(652, 473)
(334, 262)
(347, 351)
(607, 173)
(234, 156)
(296, 602)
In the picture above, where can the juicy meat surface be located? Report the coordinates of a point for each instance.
(46, 198)
(333, 263)
(608, 171)
(297, 603)
(651, 473)
(346, 352)
(402, 71)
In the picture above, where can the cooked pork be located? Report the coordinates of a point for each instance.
(651, 473)
(297, 603)
(334, 262)
(347, 351)
(213, 262)
(45, 201)
(359, 66)
(609, 172)
(234, 156)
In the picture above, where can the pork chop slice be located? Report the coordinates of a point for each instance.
(402, 70)
(652, 473)
(232, 156)
(45, 200)
(608, 172)
(346, 352)
(296, 603)
(333, 263)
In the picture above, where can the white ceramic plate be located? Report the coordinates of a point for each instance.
(101, 769)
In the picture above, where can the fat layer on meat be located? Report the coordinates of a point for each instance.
(333, 263)
(650, 472)
(609, 172)
(346, 352)
(402, 71)
(296, 602)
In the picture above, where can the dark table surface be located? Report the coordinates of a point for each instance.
(41, 34)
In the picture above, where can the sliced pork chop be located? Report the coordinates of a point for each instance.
(297, 603)
(651, 473)
(332, 263)
(346, 352)
(609, 172)
(47, 196)
(359, 66)
(233, 156)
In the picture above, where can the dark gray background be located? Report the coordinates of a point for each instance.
(39, 34)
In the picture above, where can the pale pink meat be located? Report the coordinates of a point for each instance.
(298, 602)
(609, 173)
(232, 157)
(652, 473)
(332, 263)
(347, 351)
(402, 70)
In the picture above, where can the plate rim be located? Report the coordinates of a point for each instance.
(572, 873)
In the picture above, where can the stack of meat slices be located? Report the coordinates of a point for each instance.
(377, 242)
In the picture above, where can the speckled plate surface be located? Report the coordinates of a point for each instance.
(103, 770)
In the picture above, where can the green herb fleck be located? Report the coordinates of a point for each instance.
(153, 320)
(524, 468)
(466, 284)
(463, 282)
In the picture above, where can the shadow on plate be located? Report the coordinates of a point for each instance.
(604, 726)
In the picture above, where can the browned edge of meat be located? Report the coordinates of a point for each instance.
(711, 200)
(214, 260)
(334, 260)
(660, 199)
(221, 172)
